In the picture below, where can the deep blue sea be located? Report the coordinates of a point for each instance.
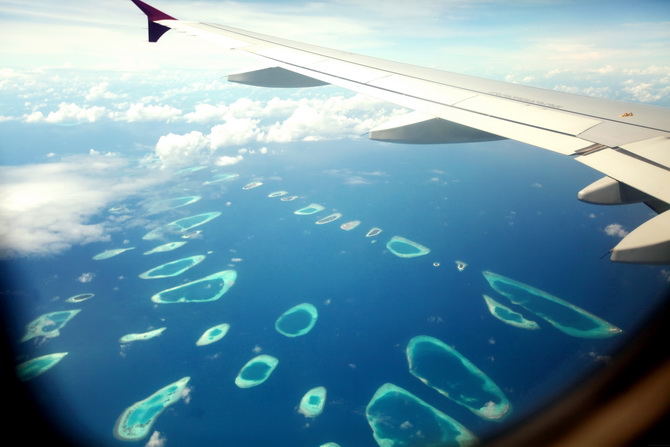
(501, 206)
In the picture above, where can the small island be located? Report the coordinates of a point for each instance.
(49, 325)
(209, 288)
(168, 204)
(329, 218)
(185, 224)
(312, 403)
(34, 367)
(399, 418)
(141, 336)
(460, 265)
(348, 226)
(373, 232)
(256, 371)
(213, 334)
(404, 248)
(111, 253)
(252, 185)
(136, 421)
(277, 193)
(298, 320)
(165, 247)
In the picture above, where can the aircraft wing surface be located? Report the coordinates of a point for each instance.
(629, 143)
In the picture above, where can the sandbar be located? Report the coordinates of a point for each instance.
(173, 268)
(309, 209)
(373, 232)
(142, 336)
(329, 218)
(213, 334)
(34, 367)
(256, 371)
(350, 225)
(79, 298)
(565, 317)
(136, 421)
(298, 320)
(444, 369)
(312, 403)
(400, 419)
(49, 325)
(165, 247)
(508, 316)
(209, 288)
(111, 253)
(404, 248)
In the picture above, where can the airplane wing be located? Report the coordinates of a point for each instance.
(629, 143)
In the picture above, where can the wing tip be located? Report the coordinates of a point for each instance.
(156, 30)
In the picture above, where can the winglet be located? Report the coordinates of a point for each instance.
(156, 30)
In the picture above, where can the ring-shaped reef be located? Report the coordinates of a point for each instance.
(221, 178)
(169, 204)
(185, 224)
(209, 288)
(564, 316)
(79, 298)
(400, 419)
(173, 268)
(312, 403)
(298, 320)
(444, 369)
(165, 247)
(309, 209)
(288, 198)
(460, 265)
(136, 421)
(213, 334)
(277, 193)
(404, 248)
(49, 325)
(329, 218)
(508, 316)
(189, 170)
(110, 253)
(34, 367)
(330, 444)
(142, 336)
(256, 371)
(373, 232)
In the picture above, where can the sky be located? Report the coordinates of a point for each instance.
(73, 72)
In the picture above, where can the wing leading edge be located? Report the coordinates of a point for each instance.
(629, 143)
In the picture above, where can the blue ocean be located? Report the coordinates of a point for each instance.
(502, 207)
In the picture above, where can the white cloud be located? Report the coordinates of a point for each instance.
(615, 230)
(99, 91)
(227, 160)
(156, 440)
(86, 277)
(142, 112)
(176, 150)
(68, 113)
(47, 208)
